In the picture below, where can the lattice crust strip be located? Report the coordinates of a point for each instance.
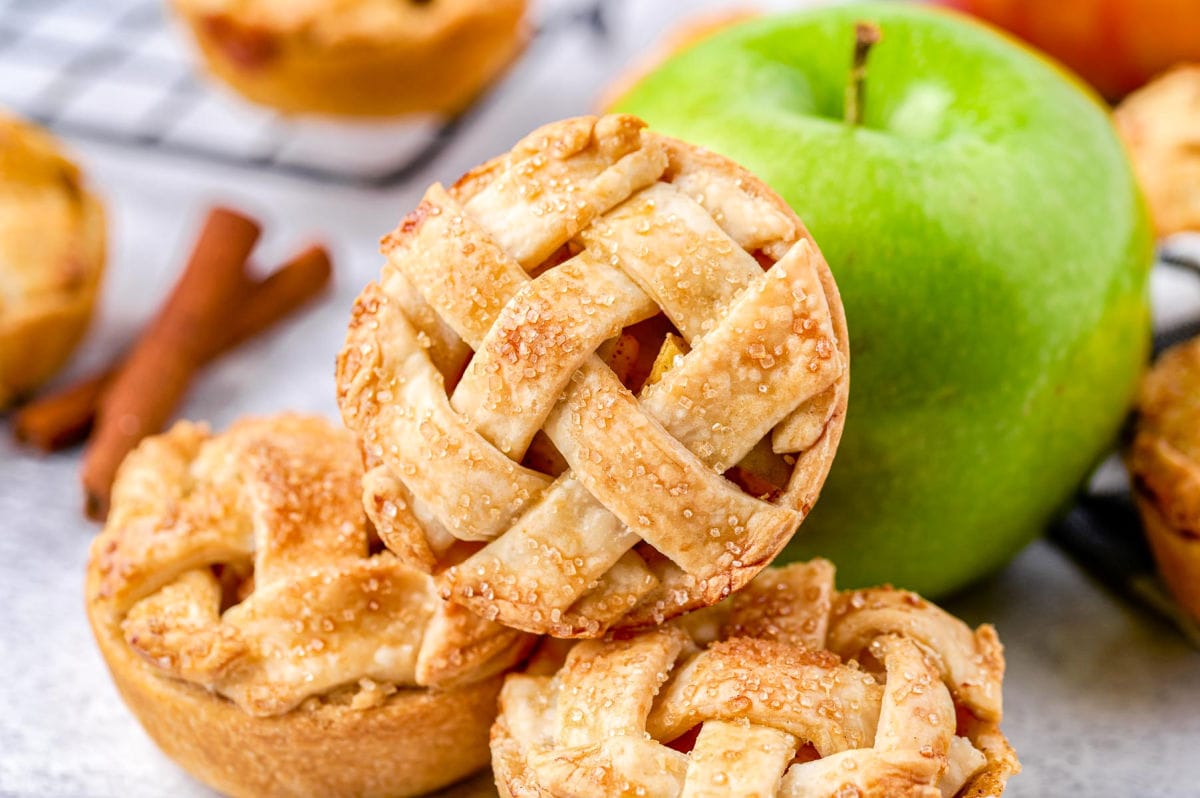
(267, 518)
(483, 335)
(786, 689)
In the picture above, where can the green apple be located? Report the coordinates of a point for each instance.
(993, 254)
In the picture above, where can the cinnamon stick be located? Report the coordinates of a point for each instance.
(64, 418)
(277, 296)
(187, 330)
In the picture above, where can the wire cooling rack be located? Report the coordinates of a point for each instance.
(120, 71)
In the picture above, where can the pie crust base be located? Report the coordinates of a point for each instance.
(416, 742)
(368, 58)
(1164, 462)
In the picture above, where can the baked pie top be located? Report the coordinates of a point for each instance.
(497, 379)
(789, 688)
(51, 230)
(1160, 126)
(243, 564)
(332, 22)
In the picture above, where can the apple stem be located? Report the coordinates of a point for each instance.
(866, 36)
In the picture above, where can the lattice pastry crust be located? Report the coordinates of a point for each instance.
(789, 688)
(515, 449)
(236, 597)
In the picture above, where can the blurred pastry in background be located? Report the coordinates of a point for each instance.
(369, 58)
(1160, 125)
(1164, 462)
(51, 258)
(254, 626)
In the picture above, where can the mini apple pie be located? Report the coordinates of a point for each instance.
(600, 382)
(357, 57)
(1160, 124)
(51, 258)
(1164, 462)
(258, 632)
(789, 688)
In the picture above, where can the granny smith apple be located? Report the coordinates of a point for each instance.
(992, 250)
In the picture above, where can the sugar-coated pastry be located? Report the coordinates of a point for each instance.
(264, 639)
(499, 375)
(789, 688)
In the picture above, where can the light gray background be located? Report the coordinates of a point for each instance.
(1102, 699)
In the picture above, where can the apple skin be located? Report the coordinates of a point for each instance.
(992, 251)
(1116, 45)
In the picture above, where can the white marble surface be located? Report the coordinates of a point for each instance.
(1102, 700)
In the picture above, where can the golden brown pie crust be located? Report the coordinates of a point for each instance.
(1160, 125)
(1164, 462)
(490, 338)
(789, 689)
(357, 57)
(51, 258)
(259, 642)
